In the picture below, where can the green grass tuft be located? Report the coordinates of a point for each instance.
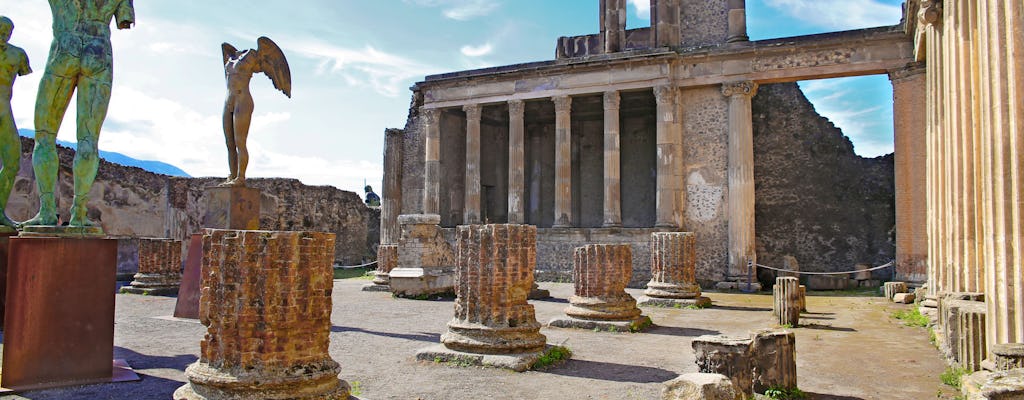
(952, 376)
(777, 393)
(554, 355)
(357, 388)
(911, 317)
(640, 325)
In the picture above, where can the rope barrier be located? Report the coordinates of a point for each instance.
(354, 266)
(887, 265)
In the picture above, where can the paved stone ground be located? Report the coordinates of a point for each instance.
(850, 349)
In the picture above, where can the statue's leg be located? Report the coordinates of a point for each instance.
(93, 101)
(52, 102)
(243, 117)
(229, 139)
(10, 151)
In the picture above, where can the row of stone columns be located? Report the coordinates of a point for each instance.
(975, 106)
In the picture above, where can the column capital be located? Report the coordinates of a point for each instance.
(516, 107)
(665, 94)
(562, 103)
(930, 12)
(742, 88)
(612, 100)
(430, 115)
(472, 111)
(912, 70)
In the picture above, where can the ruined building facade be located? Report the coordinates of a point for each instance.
(630, 132)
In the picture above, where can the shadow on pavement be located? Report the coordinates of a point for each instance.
(612, 372)
(421, 336)
(677, 331)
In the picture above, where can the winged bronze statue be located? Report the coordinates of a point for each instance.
(239, 67)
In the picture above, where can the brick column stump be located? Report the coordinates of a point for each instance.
(673, 272)
(493, 324)
(159, 268)
(387, 259)
(601, 273)
(266, 303)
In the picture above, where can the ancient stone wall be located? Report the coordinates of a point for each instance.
(816, 199)
(132, 202)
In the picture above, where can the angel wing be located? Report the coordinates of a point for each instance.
(275, 65)
(227, 51)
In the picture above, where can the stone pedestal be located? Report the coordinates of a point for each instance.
(892, 288)
(232, 208)
(601, 273)
(275, 348)
(971, 346)
(188, 294)
(946, 330)
(673, 271)
(159, 268)
(789, 263)
(387, 259)
(787, 302)
(765, 360)
(493, 325)
(1007, 356)
(426, 263)
(59, 322)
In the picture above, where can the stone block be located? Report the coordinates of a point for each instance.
(971, 346)
(787, 303)
(600, 275)
(869, 283)
(425, 259)
(274, 348)
(862, 272)
(946, 330)
(232, 208)
(495, 266)
(1007, 356)
(828, 282)
(159, 268)
(903, 298)
(700, 386)
(998, 385)
(728, 356)
(774, 360)
(765, 360)
(892, 288)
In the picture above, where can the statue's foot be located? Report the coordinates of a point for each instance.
(6, 221)
(81, 222)
(41, 219)
(237, 182)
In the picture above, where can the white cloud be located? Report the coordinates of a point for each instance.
(477, 51)
(461, 10)
(838, 15)
(643, 8)
(388, 74)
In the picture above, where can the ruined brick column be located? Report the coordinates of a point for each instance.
(737, 22)
(516, 162)
(493, 324)
(669, 191)
(910, 152)
(612, 175)
(787, 302)
(673, 271)
(601, 273)
(266, 303)
(471, 214)
(741, 185)
(563, 161)
(432, 161)
(159, 268)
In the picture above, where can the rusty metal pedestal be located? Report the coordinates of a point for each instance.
(188, 294)
(59, 324)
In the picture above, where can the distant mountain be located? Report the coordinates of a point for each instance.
(118, 158)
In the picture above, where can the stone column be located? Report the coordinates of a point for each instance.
(909, 99)
(601, 273)
(673, 271)
(729, 356)
(613, 25)
(787, 300)
(270, 349)
(391, 204)
(741, 184)
(971, 326)
(387, 260)
(669, 209)
(612, 176)
(737, 22)
(665, 26)
(432, 163)
(493, 322)
(159, 268)
(516, 162)
(774, 360)
(471, 215)
(563, 162)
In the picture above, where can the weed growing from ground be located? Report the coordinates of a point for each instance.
(911, 317)
(952, 375)
(777, 393)
(357, 388)
(640, 325)
(554, 355)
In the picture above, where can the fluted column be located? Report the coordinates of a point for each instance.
(516, 162)
(563, 161)
(741, 181)
(909, 99)
(391, 204)
(471, 214)
(612, 176)
(737, 22)
(668, 207)
(432, 162)
(665, 24)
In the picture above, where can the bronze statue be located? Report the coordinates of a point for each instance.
(239, 66)
(13, 63)
(80, 58)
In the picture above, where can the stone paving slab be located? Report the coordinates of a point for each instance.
(850, 349)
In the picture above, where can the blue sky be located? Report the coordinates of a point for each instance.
(352, 63)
